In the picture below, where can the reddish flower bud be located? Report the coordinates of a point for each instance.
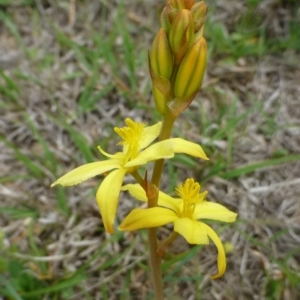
(189, 3)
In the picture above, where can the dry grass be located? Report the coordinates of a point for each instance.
(248, 112)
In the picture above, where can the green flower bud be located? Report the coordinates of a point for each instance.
(161, 59)
(199, 11)
(178, 4)
(191, 70)
(161, 66)
(172, 9)
(181, 34)
(199, 33)
(164, 20)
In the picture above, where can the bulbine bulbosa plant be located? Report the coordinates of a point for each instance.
(177, 62)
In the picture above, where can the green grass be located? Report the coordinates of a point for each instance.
(18, 283)
(248, 36)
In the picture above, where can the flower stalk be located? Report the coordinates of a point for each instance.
(155, 254)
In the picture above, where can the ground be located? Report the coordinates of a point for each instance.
(70, 71)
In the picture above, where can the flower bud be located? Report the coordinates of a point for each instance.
(161, 60)
(189, 3)
(191, 70)
(181, 34)
(199, 11)
(177, 4)
(171, 10)
(164, 20)
(199, 33)
(161, 66)
(160, 99)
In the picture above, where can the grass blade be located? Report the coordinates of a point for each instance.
(259, 165)
(9, 289)
(31, 166)
(59, 286)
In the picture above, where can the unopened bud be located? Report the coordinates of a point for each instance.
(161, 60)
(199, 33)
(160, 99)
(189, 3)
(161, 66)
(164, 20)
(191, 70)
(177, 4)
(171, 10)
(199, 11)
(181, 34)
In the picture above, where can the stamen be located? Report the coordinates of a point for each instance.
(189, 193)
(131, 136)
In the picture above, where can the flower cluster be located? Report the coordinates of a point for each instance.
(184, 211)
(135, 139)
(177, 59)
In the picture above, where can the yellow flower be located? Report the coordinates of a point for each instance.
(136, 137)
(184, 213)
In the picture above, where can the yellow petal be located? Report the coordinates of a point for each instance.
(149, 134)
(117, 156)
(86, 171)
(183, 146)
(169, 202)
(107, 197)
(156, 151)
(213, 211)
(191, 230)
(147, 218)
(221, 253)
(136, 191)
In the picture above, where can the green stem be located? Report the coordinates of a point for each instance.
(167, 242)
(166, 130)
(155, 257)
(136, 175)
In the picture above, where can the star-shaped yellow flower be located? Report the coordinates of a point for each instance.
(184, 212)
(136, 138)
